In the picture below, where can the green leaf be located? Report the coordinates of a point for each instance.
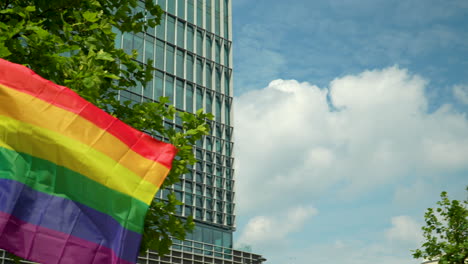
(102, 55)
(90, 16)
(30, 8)
(4, 51)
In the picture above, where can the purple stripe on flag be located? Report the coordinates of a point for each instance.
(43, 245)
(65, 217)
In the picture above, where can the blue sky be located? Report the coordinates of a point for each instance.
(351, 118)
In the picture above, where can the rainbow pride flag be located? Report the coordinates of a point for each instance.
(75, 182)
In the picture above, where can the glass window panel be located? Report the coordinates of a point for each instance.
(199, 72)
(179, 209)
(199, 98)
(190, 32)
(162, 3)
(188, 198)
(209, 217)
(170, 59)
(150, 30)
(218, 237)
(208, 80)
(226, 83)
(218, 108)
(159, 55)
(118, 38)
(190, 11)
(180, 34)
(227, 113)
(217, 16)
(226, 55)
(180, 8)
(136, 89)
(189, 175)
(199, 215)
(199, 166)
(218, 80)
(218, 51)
(209, 103)
(188, 211)
(199, 191)
(200, 178)
(199, 143)
(219, 206)
(209, 202)
(161, 28)
(158, 84)
(226, 19)
(200, 13)
(217, 23)
(199, 42)
(226, 27)
(178, 195)
(228, 149)
(149, 49)
(180, 94)
(127, 43)
(148, 90)
(199, 201)
(189, 67)
(171, 6)
(171, 29)
(209, 44)
(180, 63)
(138, 46)
(208, 15)
(209, 143)
(169, 89)
(208, 234)
(209, 180)
(197, 233)
(189, 98)
(227, 239)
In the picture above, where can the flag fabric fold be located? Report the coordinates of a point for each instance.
(75, 182)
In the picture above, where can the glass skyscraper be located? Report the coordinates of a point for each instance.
(192, 52)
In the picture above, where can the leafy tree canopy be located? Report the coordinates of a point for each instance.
(446, 232)
(72, 43)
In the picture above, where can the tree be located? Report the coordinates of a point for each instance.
(72, 43)
(446, 232)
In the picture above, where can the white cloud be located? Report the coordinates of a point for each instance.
(273, 230)
(461, 93)
(291, 145)
(404, 230)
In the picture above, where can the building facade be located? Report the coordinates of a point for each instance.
(192, 52)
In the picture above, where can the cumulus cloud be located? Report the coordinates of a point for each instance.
(271, 230)
(461, 93)
(295, 140)
(404, 230)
